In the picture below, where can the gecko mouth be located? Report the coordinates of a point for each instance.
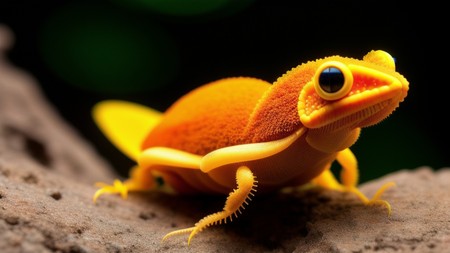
(361, 118)
(373, 96)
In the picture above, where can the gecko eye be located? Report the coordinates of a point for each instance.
(333, 80)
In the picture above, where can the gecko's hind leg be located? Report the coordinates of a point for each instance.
(143, 177)
(140, 180)
(246, 185)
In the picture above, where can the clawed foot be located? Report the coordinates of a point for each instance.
(189, 231)
(118, 187)
(376, 199)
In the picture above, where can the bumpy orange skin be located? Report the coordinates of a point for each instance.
(237, 111)
(210, 117)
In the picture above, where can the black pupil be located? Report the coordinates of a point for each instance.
(331, 79)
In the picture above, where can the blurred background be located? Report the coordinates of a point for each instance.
(153, 51)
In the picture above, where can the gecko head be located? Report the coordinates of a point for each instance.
(350, 93)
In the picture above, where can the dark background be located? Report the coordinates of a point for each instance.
(151, 53)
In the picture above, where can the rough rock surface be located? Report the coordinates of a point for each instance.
(47, 170)
(31, 131)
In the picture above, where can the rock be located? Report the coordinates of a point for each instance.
(33, 134)
(42, 211)
(47, 172)
(420, 220)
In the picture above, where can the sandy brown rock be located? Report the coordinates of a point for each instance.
(32, 131)
(42, 211)
(47, 170)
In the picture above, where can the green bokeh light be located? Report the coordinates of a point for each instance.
(189, 7)
(99, 49)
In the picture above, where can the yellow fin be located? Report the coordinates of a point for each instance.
(125, 124)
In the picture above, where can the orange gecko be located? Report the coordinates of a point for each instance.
(241, 136)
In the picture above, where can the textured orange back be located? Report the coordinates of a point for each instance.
(210, 117)
(238, 110)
